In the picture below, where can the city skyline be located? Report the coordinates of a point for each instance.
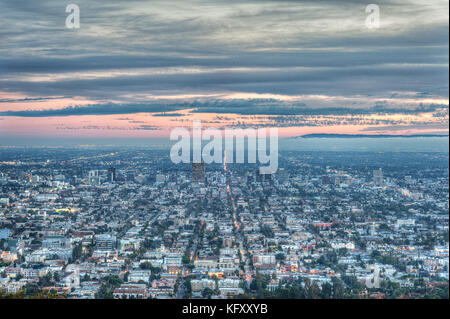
(216, 158)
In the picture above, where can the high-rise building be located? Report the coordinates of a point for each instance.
(198, 172)
(111, 174)
(282, 175)
(378, 176)
(93, 173)
(94, 177)
(262, 176)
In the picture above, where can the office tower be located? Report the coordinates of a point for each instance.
(198, 172)
(282, 175)
(94, 177)
(264, 177)
(378, 176)
(79, 171)
(111, 174)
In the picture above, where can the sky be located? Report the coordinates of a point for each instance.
(138, 69)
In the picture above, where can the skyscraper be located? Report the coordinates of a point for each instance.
(378, 176)
(94, 177)
(111, 174)
(198, 172)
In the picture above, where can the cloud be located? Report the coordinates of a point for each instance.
(126, 50)
(427, 126)
(32, 99)
(225, 106)
(375, 80)
(100, 109)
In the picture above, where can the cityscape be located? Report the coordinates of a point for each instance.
(216, 158)
(127, 223)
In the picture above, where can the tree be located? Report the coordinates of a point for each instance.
(338, 289)
(207, 293)
(326, 291)
(77, 252)
(104, 292)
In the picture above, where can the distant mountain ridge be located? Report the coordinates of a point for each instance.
(325, 135)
